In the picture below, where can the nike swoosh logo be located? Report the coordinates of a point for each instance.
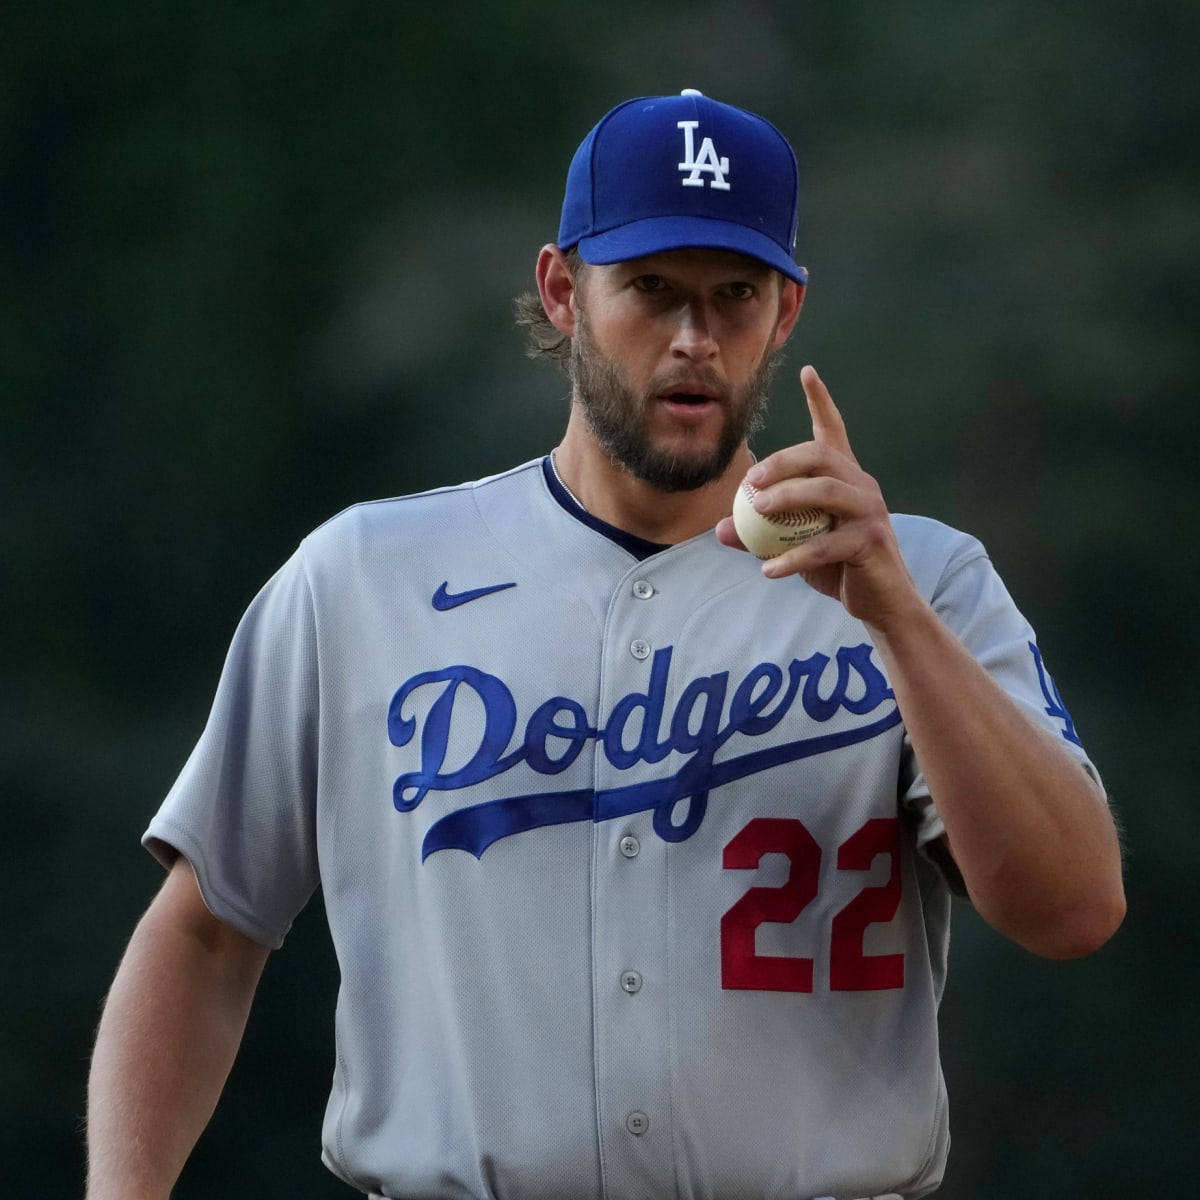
(444, 600)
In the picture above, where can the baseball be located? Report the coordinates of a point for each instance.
(766, 535)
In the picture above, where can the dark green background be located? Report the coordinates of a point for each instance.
(257, 261)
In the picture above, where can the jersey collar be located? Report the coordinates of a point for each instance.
(640, 548)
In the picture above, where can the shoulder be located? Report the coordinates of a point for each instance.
(445, 513)
(934, 551)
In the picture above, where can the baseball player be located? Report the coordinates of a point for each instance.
(637, 852)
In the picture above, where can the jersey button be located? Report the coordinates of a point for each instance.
(630, 847)
(631, 982)
(640, 650)
(643, 590)
(637, 1123)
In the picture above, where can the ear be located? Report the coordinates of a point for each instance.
(790, 303)
(556, 286)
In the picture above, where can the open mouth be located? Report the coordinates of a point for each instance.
(689, 408)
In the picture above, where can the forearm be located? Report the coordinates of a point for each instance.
(1028, 827)
(171, 1028)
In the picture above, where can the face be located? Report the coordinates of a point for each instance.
(671, 358)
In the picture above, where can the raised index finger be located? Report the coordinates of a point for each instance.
(828, 427)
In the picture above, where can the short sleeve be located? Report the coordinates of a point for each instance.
(972, 600)
(243, 809)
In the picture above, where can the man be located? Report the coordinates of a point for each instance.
(637, 853)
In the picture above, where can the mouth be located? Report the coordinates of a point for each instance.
(689, 402)
(690, 393)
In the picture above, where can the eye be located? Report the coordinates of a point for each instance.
(650, 283)
(739, 291)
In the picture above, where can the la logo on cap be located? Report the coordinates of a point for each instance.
(709, 160)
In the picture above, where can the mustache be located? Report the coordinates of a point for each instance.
(698, 376)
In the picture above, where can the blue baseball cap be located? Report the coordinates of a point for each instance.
(677, 172)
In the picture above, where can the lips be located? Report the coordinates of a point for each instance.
(687, 407)
(690, 392)
(692, 397)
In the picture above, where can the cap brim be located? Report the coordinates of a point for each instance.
(656, 235)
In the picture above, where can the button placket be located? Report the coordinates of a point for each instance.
(630, 1016)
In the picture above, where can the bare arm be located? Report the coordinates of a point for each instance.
(1029, 830)
(171, 1028)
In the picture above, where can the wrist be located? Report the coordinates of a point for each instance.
(907, 621)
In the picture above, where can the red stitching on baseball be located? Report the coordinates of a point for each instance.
(806, 516)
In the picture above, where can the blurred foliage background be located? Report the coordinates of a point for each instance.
(256, 265)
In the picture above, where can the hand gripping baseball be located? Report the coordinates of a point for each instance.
(858, 560)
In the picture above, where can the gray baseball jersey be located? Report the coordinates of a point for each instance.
(620, 845)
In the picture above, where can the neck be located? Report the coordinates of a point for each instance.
(608, 491)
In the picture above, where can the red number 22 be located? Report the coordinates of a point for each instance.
(850, 969)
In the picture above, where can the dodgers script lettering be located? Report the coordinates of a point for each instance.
(637, 730)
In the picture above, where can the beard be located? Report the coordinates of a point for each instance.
(619, 417)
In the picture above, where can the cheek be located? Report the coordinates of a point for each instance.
(769, 337)
(634, 345)
(745, 355)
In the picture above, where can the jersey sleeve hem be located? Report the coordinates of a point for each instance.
(166, 842)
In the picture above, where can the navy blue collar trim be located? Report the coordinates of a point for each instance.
(640, 548)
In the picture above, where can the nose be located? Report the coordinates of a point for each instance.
(693, 337)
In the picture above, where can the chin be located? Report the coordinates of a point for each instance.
(670, 471)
